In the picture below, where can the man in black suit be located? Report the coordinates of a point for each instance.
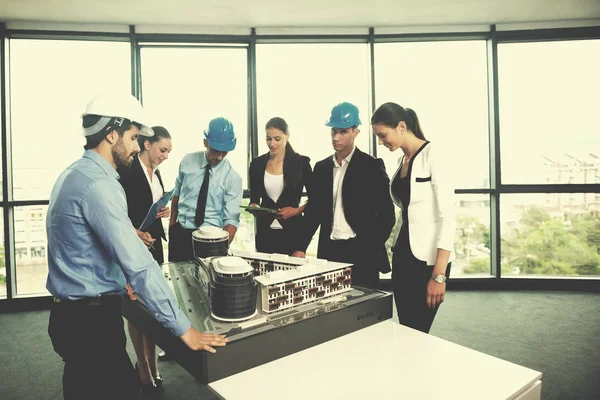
(351, 203)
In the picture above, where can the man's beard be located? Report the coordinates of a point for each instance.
(120, 155)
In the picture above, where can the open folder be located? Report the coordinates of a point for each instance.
(156, 207)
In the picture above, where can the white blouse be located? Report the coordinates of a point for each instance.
(341, 229)
(274, 187)
(155, 187)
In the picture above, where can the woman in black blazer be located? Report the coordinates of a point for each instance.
(277, 180)
(143, 186)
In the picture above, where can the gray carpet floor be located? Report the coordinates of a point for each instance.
(557, 333)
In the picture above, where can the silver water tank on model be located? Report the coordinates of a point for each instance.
(210, 241)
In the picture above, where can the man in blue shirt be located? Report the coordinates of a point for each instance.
(220, 205)
(93, 251)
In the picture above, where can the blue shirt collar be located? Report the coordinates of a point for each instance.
(212, 167)
(102, 163)
(204, 160)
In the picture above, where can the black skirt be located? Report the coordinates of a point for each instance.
(410, 277)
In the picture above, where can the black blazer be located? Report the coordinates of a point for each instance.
(297, 175)
(368, 207)
(139, 196)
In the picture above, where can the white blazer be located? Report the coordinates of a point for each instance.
(431, 214)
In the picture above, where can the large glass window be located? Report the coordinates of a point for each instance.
(548, 135)
(31, 249)
(184, 88)
(553, 234)
(51, 81)
(302, 82)
(445, 83)
(549, 102)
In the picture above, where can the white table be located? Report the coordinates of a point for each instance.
(384, 361)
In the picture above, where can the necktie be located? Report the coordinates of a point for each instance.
(201, 205)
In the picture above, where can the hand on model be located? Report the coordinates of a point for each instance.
(197, 340)
(299, 254)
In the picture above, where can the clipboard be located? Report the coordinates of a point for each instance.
(151, 216)
(259, 211)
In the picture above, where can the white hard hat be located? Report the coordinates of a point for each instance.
(121, 105)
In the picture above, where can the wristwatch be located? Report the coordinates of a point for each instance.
(438, 278)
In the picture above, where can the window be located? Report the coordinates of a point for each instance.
(445, 83)
(183, 89)
(472, 239)
(548, 112)
(548, 94)
(30, 250)
(302, 82)
(543, 235)
(548, 134)
(244, 237)
(51, 82)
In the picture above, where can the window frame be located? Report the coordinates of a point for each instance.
(492, 36)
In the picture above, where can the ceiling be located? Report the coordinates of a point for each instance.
(306, 13)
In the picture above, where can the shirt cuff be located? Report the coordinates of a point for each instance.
(180, 325)
(232, 222)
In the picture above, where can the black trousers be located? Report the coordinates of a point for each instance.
(91, 341)
(157, 252)
(350, 251)
(410, 277)
(181, 247)
(280, 241)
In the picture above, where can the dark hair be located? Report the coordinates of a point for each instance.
(390, 114)
(280, 124)
(92, 141)
(159, 133)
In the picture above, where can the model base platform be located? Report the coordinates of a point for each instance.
(263, 338)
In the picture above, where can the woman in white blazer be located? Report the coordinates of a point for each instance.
(424, 238)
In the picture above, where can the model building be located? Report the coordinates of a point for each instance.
(240, 284)
(285, 282)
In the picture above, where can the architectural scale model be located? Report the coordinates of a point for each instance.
(285, 282)
(241, 284)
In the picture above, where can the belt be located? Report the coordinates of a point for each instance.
(91, 301)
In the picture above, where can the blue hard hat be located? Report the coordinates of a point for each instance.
(220, 134)
(344, 115)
